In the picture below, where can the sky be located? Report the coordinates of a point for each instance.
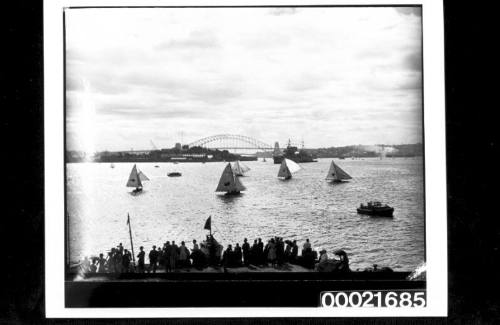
(327, 76)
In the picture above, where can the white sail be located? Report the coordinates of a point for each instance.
(229, 182)
(143, 177)
(336, 173)
(244, 168)
(239, 169)
(134, 179)
(292, 166)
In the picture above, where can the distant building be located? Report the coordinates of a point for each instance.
(178, 146)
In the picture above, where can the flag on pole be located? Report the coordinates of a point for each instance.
(128, 219)
(208, 223)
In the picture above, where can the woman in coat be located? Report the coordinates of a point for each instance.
(271, 253)
(183, 255)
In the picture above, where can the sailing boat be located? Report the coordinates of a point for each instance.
(264, 160)
(239, 169)
(287, 168)
(135, 179)
(229, 183)
(336, 174)
(112, 165)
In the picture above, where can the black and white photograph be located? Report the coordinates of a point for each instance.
(223, 156)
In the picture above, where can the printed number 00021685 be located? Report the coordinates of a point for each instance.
(394, 298)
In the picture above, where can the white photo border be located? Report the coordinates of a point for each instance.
(435, 169)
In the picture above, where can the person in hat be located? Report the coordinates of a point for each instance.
(260, 252)
(126, 261)
(166, 254)
(295, 252)
(195, 245)
(271, 252)
(93, 266)
(228, 256)
(183, 255)
(174, 255)
(102, 264)
(238, 255)
(306, 248)
(153, 260)
(140, 260)
(246, 252)
(323, 256)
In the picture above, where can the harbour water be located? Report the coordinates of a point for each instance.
(306, 206)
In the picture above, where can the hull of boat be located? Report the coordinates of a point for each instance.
(232, 193)
(338, 181)
(378, 212)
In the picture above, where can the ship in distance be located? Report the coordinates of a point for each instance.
(376, 208)
(292, 153)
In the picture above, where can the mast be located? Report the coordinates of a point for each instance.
(131, 241)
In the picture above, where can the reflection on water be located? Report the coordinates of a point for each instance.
(306, 206)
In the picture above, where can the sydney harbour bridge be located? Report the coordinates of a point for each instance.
(232, 142)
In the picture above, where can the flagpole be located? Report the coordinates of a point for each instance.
(131, 241)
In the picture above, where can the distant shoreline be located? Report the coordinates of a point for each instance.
(215, 161)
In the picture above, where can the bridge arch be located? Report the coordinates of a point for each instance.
(230, 141)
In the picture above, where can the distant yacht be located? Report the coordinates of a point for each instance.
(336, 174)
(229, 182)
(239, 169)
(135, 179)
(287, 168)
(112, 166)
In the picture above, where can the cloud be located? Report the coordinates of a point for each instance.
(271, 74)
(195, 40)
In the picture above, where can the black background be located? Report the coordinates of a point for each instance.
(471, 125)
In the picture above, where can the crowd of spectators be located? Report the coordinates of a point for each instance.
(170, 256)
